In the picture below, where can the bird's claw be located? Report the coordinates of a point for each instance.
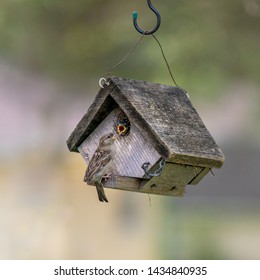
(107, 177)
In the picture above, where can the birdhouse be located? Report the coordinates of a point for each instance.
(163, 144)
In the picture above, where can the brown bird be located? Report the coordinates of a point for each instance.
(99, 164)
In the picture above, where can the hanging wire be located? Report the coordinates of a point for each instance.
(165, 59)
(109, 72)
(103, 81)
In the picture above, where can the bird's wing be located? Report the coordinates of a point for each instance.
(97, 163)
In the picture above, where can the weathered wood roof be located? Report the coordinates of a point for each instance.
(163, 113)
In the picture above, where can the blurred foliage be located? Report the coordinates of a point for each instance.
(207, 43)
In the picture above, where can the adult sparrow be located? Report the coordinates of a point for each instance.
(99, 164)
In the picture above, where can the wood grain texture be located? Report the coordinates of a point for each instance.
(139, 185)
(99, 109)
(204, 171)
(171, 121)
(131, 151)
(172, 181)
(126, 184)
(163, 114)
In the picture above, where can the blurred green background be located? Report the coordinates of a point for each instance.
(52, 54)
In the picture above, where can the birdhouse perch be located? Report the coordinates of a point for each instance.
(165, 146)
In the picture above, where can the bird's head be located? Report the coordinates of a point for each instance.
(122, 124)
(107, 140)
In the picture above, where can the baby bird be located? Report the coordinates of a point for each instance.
(122, 124)
(100, 163)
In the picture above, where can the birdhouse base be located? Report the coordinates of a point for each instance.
(171, 182)
(142, 186)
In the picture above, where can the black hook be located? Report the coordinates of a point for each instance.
(135, 16)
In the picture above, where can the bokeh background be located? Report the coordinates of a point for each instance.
(52, 54)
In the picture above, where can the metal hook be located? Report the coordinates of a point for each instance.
(135, 16)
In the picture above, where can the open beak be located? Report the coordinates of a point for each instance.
(121, 129)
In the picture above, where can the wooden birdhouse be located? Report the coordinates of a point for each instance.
(163, 144)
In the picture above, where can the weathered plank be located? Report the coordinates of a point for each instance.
(204, 171)
(125, 183)
(139, 185)
(171, 121)
(99, 109)
(131, 151)
(163, 115)
(172, 181)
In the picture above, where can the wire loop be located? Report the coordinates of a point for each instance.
(103, 82)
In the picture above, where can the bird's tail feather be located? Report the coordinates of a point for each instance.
(101, 193)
